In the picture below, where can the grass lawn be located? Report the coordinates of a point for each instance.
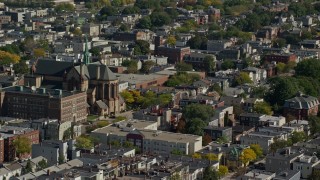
(92, 117)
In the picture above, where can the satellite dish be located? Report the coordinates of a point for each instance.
(33, 88)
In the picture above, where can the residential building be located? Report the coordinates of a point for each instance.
(301, 106)
(150, 140)
(54, 151)
(8, 135)
(256, 75)
(257, 175)
(282, 160)
(283, 58)
(305, 165)
(264, 139)
(217, 132)
(32, 103)
(218, 45)
(288, 175)
(198, 60)
(92, 30)
(250, 119)
(174, 54)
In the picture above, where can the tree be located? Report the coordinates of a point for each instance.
(182, 66)
(132, 66)
(108, 11)
(77, 32)
(171, 41)
(127, 144)
(127, 96)
(64, 7)
(95, 51)
(280, 67)
(309, 68)
(61, 158)
(67, 134)
(84, 142)
(247, 156)
(209, 64)
(175, 176)
(223, 170)
(200, 111)
(39, 52)
(7, 58)
(195, 126)
(22, 145)
(144, 23)
(181, 126)
(211, 157)
(262, 108)
(21, 68)
(182, 78)
(206, 139)
(283, 88)
(243, 78)
(196, 156)
(28, 167)
(42, 164)
(159, 19)
(101, 124)
(314, 123)
(141, 47)
(198, 42)
(257, 149)
(210, 174)
(279, 144)
(223, 139)
(176, 152)
(298, 137)
(146, 66)
(164, 99)
(279, 43)
(131, 10)
(227, 64)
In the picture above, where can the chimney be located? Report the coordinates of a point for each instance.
(98, 72)
(48, 172)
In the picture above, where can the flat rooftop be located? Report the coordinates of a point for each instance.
(138, 78)
(54, 93)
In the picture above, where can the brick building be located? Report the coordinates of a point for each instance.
(8, 135)
(301, 106)
(174, 54)
(283, 58)
(28, 103)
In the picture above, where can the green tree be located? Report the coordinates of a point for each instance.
(182, 66)
(22, 145)
(28, 167)
(175, 176)
(211, 157)
(227, 64)
(309, 68)
(280, 67)
(159, 19)
(223, 139)
(210, 174)
(131, 10)
(283, 88)
(196, 156)
(279, 43)
(132, 66)
(127, 144)
(145, 23)
(298, 137)
(141, 47)
(279, 144)
(176, 152)
(146, 66)
(64, 7)
(257, 149)
(127, 96)
(195, 126)
(164, 99)
(84, 142)
(21, 68)
(61, 159)
(42, 164)
(198, 42)
(95, 51)
(263, 108)
(243, 78)
(314, 123)
(199, 111)
(108, 11)
(209, 64)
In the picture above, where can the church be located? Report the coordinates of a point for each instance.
(95, 78)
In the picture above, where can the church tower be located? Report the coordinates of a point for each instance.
(86, 58)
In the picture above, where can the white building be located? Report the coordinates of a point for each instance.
(305, 165)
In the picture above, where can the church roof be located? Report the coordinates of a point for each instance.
(94, 70)
(51, 67)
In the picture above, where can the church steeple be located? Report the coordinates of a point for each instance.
(86, 59)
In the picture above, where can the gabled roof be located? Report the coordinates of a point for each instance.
(51, 67)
